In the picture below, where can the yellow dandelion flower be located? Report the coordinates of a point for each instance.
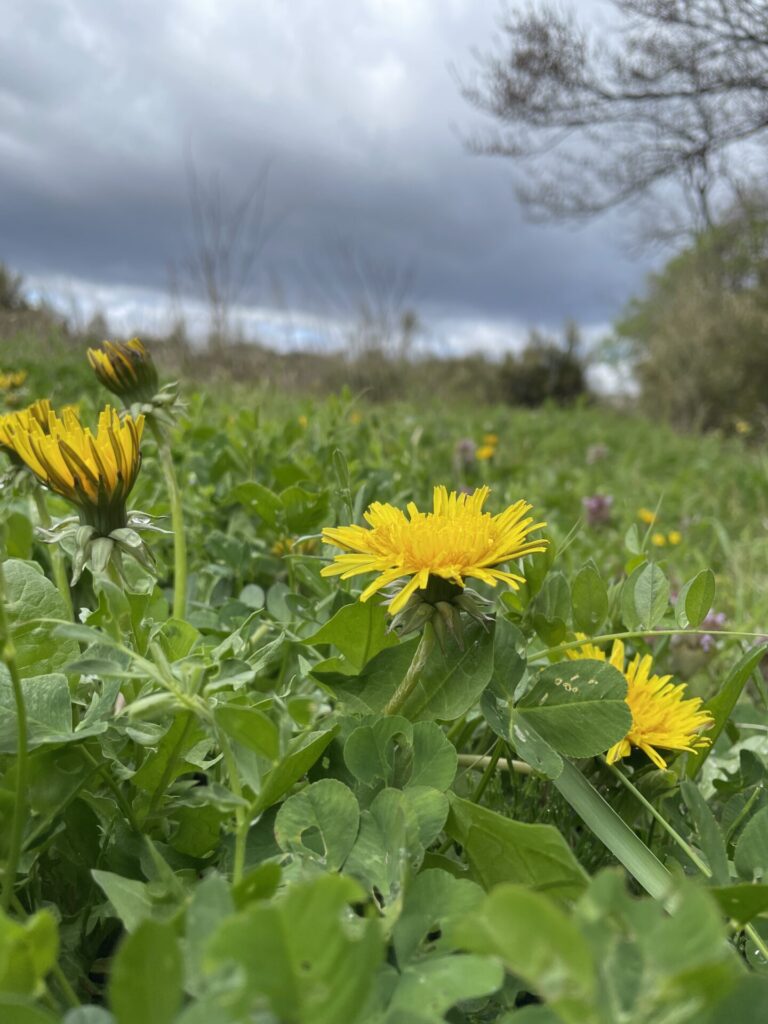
(39, 412)
(658, 540)
(96, 472)
(485, 452)
(742, 427)
(645, 515)
(491, 439)
(126, 368)
(662, 716)
(455, 541)
(303, 422)
(12, 380)
(355, 417)
(674, 537)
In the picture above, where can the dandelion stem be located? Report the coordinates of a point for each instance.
(20, 806)
(482, 762)
(177, 523)
(241, 816)
(411, 678)
(641, 634)
(58, 566)
(671, 832)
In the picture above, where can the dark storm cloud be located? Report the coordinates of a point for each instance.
(350, 103)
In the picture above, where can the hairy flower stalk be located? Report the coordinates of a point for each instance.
(128, 370)
(662, 716)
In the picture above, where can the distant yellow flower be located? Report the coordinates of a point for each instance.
(674, 536)
(12, 380)
(455, 541)
(485, 452)
(492, 439)
(661, 714)
(94, 472)
(126, 368)
(303, 422)
(646, 516)
(355, 417)
(658, 540)
(742, 427)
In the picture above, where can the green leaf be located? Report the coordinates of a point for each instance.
(695, 599)
(16, 1010)
(369, 691)
(302, 754)
(310, 959)
(251, 727)
(328, 809)
(27, 951)
(145, 981)
(536, 940)
(644, 597)
(747, 1002)
(589, 596)
(751, 854)
(130, 898)
(723, 703)
(742, 901)
(49, 712)
(578, 707)
(551, 609)
(358, 630)
(435, 985)
(501, 850)
(710, 837)
(259, 499)
(434, 902)
(453, 679)
(168, 762)
(30, 596)
(211, 904)
(396, 753)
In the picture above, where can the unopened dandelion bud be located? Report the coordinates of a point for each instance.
(126, 369)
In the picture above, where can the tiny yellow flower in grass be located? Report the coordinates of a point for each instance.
(674, 537)
(12, 380)
(658, 540)
(645, 515)
(457, 540)
(662, 716)
(355, 418)
(96, 472)
(491, 439)
(485, 452)
(742, 427)
(303, 422)
(126, 368)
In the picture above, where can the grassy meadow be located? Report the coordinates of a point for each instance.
(231, 792)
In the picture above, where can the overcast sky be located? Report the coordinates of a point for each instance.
(354, 107)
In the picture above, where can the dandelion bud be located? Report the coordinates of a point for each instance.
(126, 369)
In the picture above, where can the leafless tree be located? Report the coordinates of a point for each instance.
(370, 298)
(676, 92)
(228, 236)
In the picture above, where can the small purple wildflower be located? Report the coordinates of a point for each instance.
(597, 508)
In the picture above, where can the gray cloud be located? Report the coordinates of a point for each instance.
(353, 106)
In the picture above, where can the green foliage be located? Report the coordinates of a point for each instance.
(220, 822)
(710, 298)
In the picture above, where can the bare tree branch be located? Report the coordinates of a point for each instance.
(672, 96)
